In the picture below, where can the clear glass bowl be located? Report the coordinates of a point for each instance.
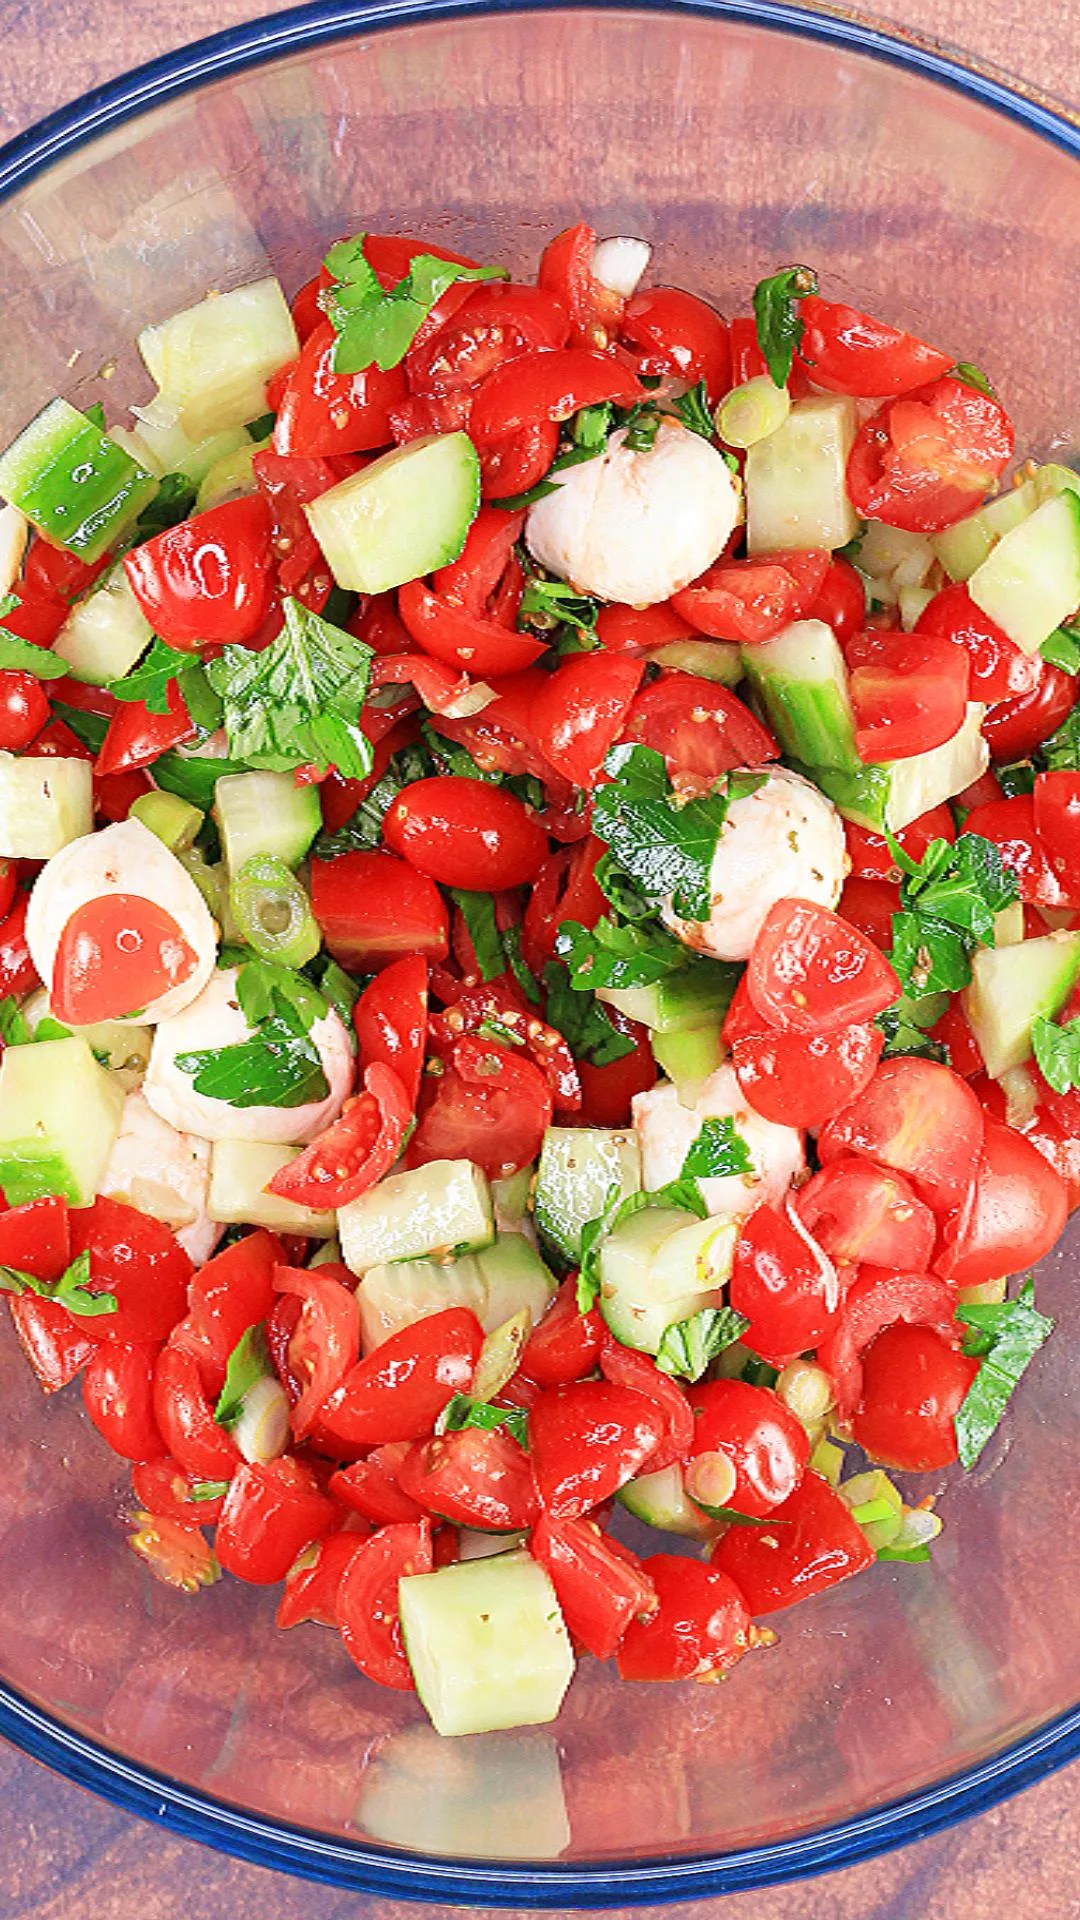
(736, 137)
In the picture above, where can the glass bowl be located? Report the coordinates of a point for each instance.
(736, 137)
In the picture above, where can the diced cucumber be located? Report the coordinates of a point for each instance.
(896, 794)
(495, 1283)
(106, 633)
(159, 442)
(59, 1118)
(646, 1285)
(689, 1054)
(265, 813)
(661, 1500)
(1030, 582)
(213, 360)
(432, 1209)
(44, 804)
(715, 660)
(688, 998)
(498, 1797)
(402, 516)
(115, 1044)
(578, 1168)
(886, 552)
(1009, 925)
(803, 683)
(796, 478)
(963, 547)
(239, 1172)
(230, 478)
(72, 482)
(1010, 988)
(487, 1644)
(510, 1199)
(173, 821)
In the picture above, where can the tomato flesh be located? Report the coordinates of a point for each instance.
(117, 954)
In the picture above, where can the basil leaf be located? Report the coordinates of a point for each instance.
(776, 317)
(249, 1361)
(613, 955)
(1063, 747)
(583, 1021)
(363, 832)
(948, 904)
(1057, 1052)
(1062, 650)
(717, 1152)
(461, 1412)
(689, 1346)
(556, 601)
(174, 501)
(694, 411)
(523, 974)
(298, 701)
(151, 677)
(903, 1036)
(641, 426)
(72, 1290)
(21, 656)
(732, 1517)
(666, 846)
(478, 912)
(336, 987)
(1007, 1337)
(14, 1026)
(257, 982)
(277, 1066)
(377, 328)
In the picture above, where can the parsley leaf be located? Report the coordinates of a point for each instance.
(174, 501)
(556, 600)
(151, 677)
(377, 328)
(277, 1066)
(72, 1290)
(1006, 1338)
(717, 1152)
(948, 903)
(298, 701)
(972, 377)
(665, 845)
(1063, 747)
(363, 831)
(904, 1035)
(689, 1346)
(694, 411)
(583, 1021)
(1057, 1052)
(257, 981)
(249, 1361)
(776, 317)
(478, 912)
(1062, 650)
(683, 1194)
(21, 656)
(462, 1412)
(613, 955)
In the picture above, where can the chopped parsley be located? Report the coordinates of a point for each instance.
(664, 843)
(694, 411)
(612, 954)
(278, 1065)
(776, 317)
(1057, 1052)
(689, 1346)
(583, 1020)
(297, 702)
(1006, 1338)
(257, 982)
(948, 903)
(376, 327)
(556, 600)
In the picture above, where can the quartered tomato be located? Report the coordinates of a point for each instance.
(118, 1394)
(702, 729)
(399, 1390)
(881, 1298)
(913, 1385)
(999, 670)
(813, 1545)
(566, 1344)
(755, 1431)
(1015, 1212)
(140, 1262)
(165, 1488)
(749, 601)
(232, 1292)
(699, 1630)
(601, 1586)
(210, 578)
(622, 629)
(548, 386)
(626, 1368)
(846, 351)
(782, 1285)
(909, 693)
(587, 1440)
(918, 1118)
(322, 412)
(566, 273)
(325, 1344)
(367, 1600)
(496, 321)
(925, 460)
(472, 1478)
(185, 1417)
(117, 953)
(581, 711)
(355, 1152)
(492, 1107)
(390, 1020)
(55, 1343)
(312, 1585)
(860, 1212)
(799, 1079)
(810, 971)
(841, 600)
(370, 1486)
(271, 1513)
(372, 908)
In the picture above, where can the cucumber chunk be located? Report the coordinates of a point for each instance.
(661, 1500)
(578, 1168)
(59, 1118)
(74, 483)
(796, 478)
(239, 1172)
(487, 1644)
(1011, 987)
(432, 1209)
(106, 633)
(689, 1054)
(44, 805)
(803, 683)
(896, 794)
(685, 999)
(212, 361)
(402, 516)
(659, 1267)
(160, 444)
(716, 660)
(963, 547)
(265, 813)
(1030, 582)
(496, 1284)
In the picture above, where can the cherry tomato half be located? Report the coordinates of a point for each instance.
(210, 578)
(918, 1118)
(601, 1587)
(367, 1600)
(928, 458)
(800, 1079)
(372, 908)
(399, 1390)
(701, 1627)
(1016, 1212)
(271, 1513)
(913, 1384)
(782, 1286)
(472, 1478)
(118, 1394)
(909, 693)
(810, 971)
(355, 1152)
(141, 1263)
(702, 729)
(766, 1445)
(587, 1440)
(818, 1545)
(860, 1212)
(849, 352)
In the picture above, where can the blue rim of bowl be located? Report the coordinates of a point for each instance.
(261, 1840)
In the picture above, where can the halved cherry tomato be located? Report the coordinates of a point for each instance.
(36, 1238)
(371, 908)
(185, 1417)
(702, 729)
(367, 1601)
(565, 889)
(810, 971)
(390, 1020)
(1014, 728)
(18, 973)
(290, 483)
(781, 1285)
(466, 833)
(606, 1092)
(909, 694)
(622, 629)
(38, 618)
(177, 1554)
(860, 1212)
(116, 794)
(913, 1384)
(749, 601)
(879, 1299)
(492, 1107)
(799, 1079)
(600, 1586)
(24, 709)
(118, 1394)
(1012, 827)
(476, 643)
(312, 1586)
(925, 460)
(497, 1003)
(566, 273)
(140, 1262)
(322, 412)
(55, 1344)
(625, 1368)
(1057, 821)
(325, 1345)
(999, 670)
(766, 1445)
(473, 1478)
(270, 1515)
(589, 1439)
(210, 578)
(370, 1487)
(232, 1292)
(1015, 1213)
(496, 321)
(565, 1345)
(167, 1490)
(399, 1390)
(355, 1152)
(117, 953)
(514, 465)
(672, 332)
(847, 351)
(841, 600)
(869, 905)
(699, 1631)
(918, 1118)
(580, 713)
(870, 853)
(818, 1545)
(548, 386)
(57, 742)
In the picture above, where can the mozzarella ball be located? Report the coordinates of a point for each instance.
(215, 1020)
(122, 859)
(667, 1129)
(784, 841)
(636, 527)
(165, 1174)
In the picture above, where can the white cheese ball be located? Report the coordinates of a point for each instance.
(666, 1130)
(125, 858)
(784, 841)
(165, 1174)
(215, 1020)
(635, 527)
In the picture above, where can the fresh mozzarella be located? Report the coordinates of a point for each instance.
(620, 263)
(165, 1174)
(216, 1020)
(636, 527)
(784, 841)
(667, 1129)
(125, 858)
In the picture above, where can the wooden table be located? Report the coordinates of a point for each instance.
(63, 1854)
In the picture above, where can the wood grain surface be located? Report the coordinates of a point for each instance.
(64, 1855)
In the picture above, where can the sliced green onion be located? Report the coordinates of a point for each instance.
(875, 1505)
(828, 1460)
(806, 1391)
(173, 821)
(72, 482)
(751, 412)
(262, 1430)
(710, 1479)
(273, 913)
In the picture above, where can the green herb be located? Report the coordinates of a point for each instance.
(682, 1194)
(450, 757)
(49, 1029)
(341, 992)
(972, 377)
(694, 411)
(461, 1412)
(95, 413)
(583, 1021)
(732, 1517)
(1057, 1052)
(298, 701)
(689, 1346)
(72, 1290)
(377, 328)
(257, 982)
(14, 1025)
(904, 1036)
(160, 668)
(629, 900)
(1063, 747)
(777, 319)
(1017, 778)
(193, 776)
(590, 427)
(208, 1490)
(261, 429)
(717, 1152)
(641, 428)
(249, 1361)
(1062, 650)
(613, 955)
(522, 972)
(174, 501)
(1006, 1338)
(569, 457)
(555, 600)
(664, 844)
(277, 1066)
(948, 903)
(478, 912)
(21, 656)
